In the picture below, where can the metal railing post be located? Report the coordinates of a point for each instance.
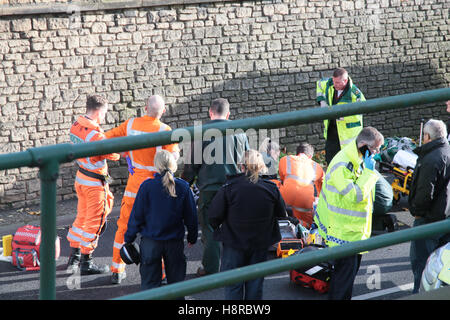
(48, 174)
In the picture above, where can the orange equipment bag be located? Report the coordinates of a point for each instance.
(316, 277)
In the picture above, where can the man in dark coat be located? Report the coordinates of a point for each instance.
(429, 197)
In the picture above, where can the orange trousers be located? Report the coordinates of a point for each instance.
(300, 199)
(134, 182)
(95, 203)
(118, 265)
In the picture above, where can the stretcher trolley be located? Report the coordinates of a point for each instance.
(402, 168)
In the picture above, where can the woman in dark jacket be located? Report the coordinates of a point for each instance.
(164, 206)
(429, 196)
(244, 215)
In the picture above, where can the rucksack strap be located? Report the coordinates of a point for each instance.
(17, 260)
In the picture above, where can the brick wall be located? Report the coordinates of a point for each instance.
(263, 56)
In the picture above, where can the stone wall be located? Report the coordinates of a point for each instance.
(263, 56)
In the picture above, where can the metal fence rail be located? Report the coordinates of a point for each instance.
(278, 265)
(48, 158)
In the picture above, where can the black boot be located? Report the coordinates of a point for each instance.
(116, 278)
(87, 266)
(74, 259)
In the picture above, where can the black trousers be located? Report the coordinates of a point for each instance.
(343, 276)
(332, 144)
(150, 268)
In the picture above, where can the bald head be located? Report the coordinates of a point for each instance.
(155, 106)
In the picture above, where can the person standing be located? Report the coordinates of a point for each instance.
(163, 207)
(331, 93)
(244, 216)
(429, 196)
(141, 167)
(302, 180)
(211, 174)
(270, 151)
(344, 210)
(95, 200)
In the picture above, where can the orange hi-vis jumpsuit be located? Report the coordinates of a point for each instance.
(95, 200)
(302, 182)
(142, 161)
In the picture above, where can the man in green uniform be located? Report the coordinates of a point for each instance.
(333, 92)
(211, 172)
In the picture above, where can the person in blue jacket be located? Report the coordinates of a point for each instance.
(163, 207)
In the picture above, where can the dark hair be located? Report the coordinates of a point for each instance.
(220, 107)
(369, 136)
(95, 102)
(339, 72)
(305, 148)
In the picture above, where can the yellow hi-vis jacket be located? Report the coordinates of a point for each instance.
(344, 211)
(350, 126)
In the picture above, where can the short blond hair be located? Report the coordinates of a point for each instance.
(254, 164)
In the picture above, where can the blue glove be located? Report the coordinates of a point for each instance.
(130, 166)
(369, 161)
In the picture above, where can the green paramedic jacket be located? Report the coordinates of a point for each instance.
(344, 210)
(350, 126)
(212, 160)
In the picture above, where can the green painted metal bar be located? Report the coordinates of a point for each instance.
(48, 175)
(68, 152)
(270, 121)
(297, 261)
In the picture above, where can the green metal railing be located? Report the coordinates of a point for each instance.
(49, 158)
(279, 265)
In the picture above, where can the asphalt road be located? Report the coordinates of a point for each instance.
(385, 273)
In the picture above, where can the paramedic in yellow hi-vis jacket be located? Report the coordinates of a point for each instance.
(344, 211)
(333, 92)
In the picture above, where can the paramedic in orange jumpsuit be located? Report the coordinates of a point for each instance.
(141, 167)
(95, 200)
(301, 179)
